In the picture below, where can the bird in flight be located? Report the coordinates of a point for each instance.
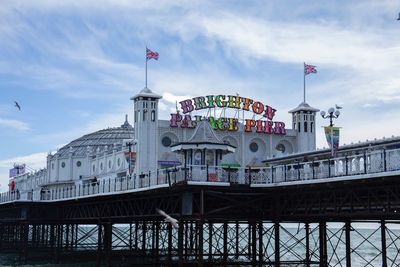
(168, 218)
(338, 107)
(17, 105)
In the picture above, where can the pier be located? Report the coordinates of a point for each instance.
(301, 209)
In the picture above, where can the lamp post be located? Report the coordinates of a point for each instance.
(129, 144)
(331, 114)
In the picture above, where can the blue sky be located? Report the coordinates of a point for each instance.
(73, 65)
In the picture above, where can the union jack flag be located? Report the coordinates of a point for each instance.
(150, 54)
(309, 69)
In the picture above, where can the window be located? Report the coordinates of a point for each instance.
(135, 116)
(298, 126)
(118, 162)
(109, 164)
(144, 115)
(101, 166)
(63, 164)
(305, 126)
(78, 163)
(94, 168)
(52, 166)
(311, 126)
(281, 147)
(253, 147)
(166, 141)
(153, 115)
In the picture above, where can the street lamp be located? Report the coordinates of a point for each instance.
(129, 144)
(331, 114)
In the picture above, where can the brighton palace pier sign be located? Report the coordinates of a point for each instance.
(265, 125)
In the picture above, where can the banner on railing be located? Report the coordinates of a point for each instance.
(332, 137)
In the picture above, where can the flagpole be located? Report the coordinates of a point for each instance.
(146, 67)
(304, 83)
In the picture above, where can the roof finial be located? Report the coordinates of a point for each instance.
(126, 123)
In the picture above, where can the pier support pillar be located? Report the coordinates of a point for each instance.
(307, 230)
(107, 243)
(323, 258)
(348, 243)
(383, 239)
(277, 245)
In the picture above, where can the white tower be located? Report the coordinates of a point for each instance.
(303, 121)
(146, 130)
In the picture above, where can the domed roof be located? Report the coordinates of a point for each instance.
(98, 141)
(303, 107)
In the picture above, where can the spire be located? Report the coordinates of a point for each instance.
(126, 123)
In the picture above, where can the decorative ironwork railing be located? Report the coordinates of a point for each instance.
(373, 162)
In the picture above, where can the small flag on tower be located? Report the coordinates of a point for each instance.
(150, 54)
(309, 69)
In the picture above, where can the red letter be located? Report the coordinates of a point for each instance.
(249, 124)
(268, 127)
(258, 107)
(269, 112)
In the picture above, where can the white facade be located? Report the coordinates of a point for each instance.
(102, 155)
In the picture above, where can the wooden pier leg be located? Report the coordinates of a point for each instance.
(260, 244)
(130, 237)
(72, 237)
(210, 237)
(348, 244)
(322, 245)
(136, 235)
(67, 237)
(169, 244)
(107, 243)
(157, 239)
(254, 243)
(23, 239)
(237, 240)
(180, 243)
(34, 235)
(225, 256)
(144, 230)
(277, 245)
(99, 244)
(307, 228)
(383, 239)
(52, 241)
(200, 247)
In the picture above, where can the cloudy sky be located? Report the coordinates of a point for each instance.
(73, 65)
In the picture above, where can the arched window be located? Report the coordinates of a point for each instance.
(311, 126)
(144, 115)
(298, 126)
(305, 126)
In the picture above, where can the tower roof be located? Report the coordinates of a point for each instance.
(203, 137)
(303, 106)
(146, 92)
(204, 133)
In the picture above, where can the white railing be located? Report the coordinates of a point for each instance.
(366, 163)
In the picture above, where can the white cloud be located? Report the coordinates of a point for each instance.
(14, 124)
